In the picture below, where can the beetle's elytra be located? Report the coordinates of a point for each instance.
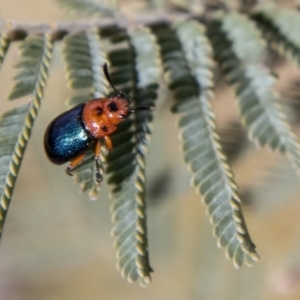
(72, 133)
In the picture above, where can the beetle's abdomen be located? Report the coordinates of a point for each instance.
(66, 137)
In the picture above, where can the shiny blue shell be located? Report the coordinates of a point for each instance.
(66, 136)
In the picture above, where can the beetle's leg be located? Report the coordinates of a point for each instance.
(75, 162)
(99, 177)
(108, 143)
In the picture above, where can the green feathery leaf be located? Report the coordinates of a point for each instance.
(189, 74)
(86, 7)
(4, 44)
(281, 29)
(16, 124)
(240, 50)
(84, 59)
(127, 164)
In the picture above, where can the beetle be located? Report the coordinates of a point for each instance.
(72, 133)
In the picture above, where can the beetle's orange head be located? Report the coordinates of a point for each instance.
(116, 109)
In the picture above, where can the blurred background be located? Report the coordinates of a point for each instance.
(57, 244)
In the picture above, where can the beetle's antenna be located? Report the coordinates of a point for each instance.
(107, 75)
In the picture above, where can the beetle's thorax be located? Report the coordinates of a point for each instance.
(101, 116)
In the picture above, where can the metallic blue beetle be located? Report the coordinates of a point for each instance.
(71, 134)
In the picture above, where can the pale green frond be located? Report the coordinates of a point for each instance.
(280, 27)
(87, 7)
(188, 66)
(16, 125)
(146, 57)
(127, 163)
(4, 44)
(84, 59)
(240, 50)
(32, 49)
(98, 58)
(198, 54)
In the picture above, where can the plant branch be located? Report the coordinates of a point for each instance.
(19, 30)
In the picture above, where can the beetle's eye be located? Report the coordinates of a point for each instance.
(113, 107)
